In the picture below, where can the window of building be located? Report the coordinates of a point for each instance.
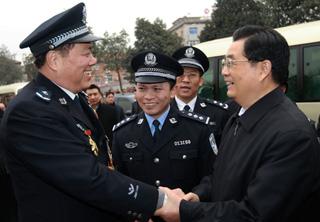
(193, 31)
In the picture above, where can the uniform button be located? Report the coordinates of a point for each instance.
(157, 183)
(129, 212)
(184, 157)
(130, 158)
(139, 216)
(134, 214)
(156, 160)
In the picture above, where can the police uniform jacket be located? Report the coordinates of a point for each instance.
(55, 174)
(267, 168)
(181, 158)
(217, 111)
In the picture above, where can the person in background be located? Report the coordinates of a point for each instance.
(55, 146)
(161, 145)
(268, 167)
(111, 101)
(107, 114)
(8, 205)
(195, 63)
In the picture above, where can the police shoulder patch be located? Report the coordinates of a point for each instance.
(217, 103)
(195, 116)
(43, 94)
(124, 122)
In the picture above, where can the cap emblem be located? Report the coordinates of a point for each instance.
(150, 59)
(189, 53)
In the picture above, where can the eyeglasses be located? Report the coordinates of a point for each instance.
(229, 63)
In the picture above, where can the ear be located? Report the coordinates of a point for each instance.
(52, 59)
(201, 81)
(265, 67)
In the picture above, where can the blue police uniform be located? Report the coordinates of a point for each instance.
(193, 57)
(56, 148)
(185, 147)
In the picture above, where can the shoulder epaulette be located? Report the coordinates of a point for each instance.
(43, 94)
(195, 116)
(217, 103)
(124, 122)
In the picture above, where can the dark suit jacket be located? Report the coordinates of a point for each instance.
(108, 118)
(55, 174)
(268, 168)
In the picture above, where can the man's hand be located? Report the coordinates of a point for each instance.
(170, 209)
(191, 197)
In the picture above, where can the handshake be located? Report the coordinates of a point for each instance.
(170, 208)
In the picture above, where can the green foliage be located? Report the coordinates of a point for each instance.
(113, 51)
(29, 67)
(288, 12)
(10, 69)
(228, 15)
(154, 36)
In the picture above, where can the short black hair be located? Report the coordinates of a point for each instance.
(109, 92)
(264, 43)
(94, 86)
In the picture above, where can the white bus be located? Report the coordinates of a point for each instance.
(7, 92)
(304, 67)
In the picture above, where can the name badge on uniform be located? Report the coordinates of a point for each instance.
(131, 145)
(182, 142)
(213, 144)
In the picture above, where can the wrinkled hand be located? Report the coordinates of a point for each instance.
(170, 210)
(191, 197)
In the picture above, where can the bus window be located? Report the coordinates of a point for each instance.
(311, 66)
(293, 91)
(206, 90)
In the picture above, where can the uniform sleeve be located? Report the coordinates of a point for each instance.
(116, 154)
(46, 145)
(287, 174)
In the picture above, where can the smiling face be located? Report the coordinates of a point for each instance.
(154, 99)
(188, 84)
(241, 76)
(74, 68)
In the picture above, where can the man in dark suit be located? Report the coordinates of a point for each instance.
(195, 63)
(107, 114)
(268, 168)
(161, 145)
(55, 146)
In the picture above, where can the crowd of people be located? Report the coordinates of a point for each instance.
(71, 154)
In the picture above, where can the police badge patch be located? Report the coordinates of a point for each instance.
(213, 144)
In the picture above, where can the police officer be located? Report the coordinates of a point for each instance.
(195, 63)
(54, 143)
(161, 145)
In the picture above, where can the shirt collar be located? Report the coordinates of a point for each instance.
(68, 92)
(161, 119)
(181, 104)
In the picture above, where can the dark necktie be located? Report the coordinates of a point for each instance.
(77, 102)
(156, 124)
(187, 108)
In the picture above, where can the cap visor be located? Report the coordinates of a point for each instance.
(86, 38)
(153, 79)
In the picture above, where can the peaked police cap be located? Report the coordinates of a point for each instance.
(189, 56)
(154, 67)
(67, 27)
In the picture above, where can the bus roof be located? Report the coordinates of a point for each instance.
(12, 88)
(295, 35)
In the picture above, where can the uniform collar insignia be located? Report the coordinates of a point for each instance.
(203, 105)
(44, 95)
(140, 121)
(173, 120)
(62, 101)
(131, 145)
